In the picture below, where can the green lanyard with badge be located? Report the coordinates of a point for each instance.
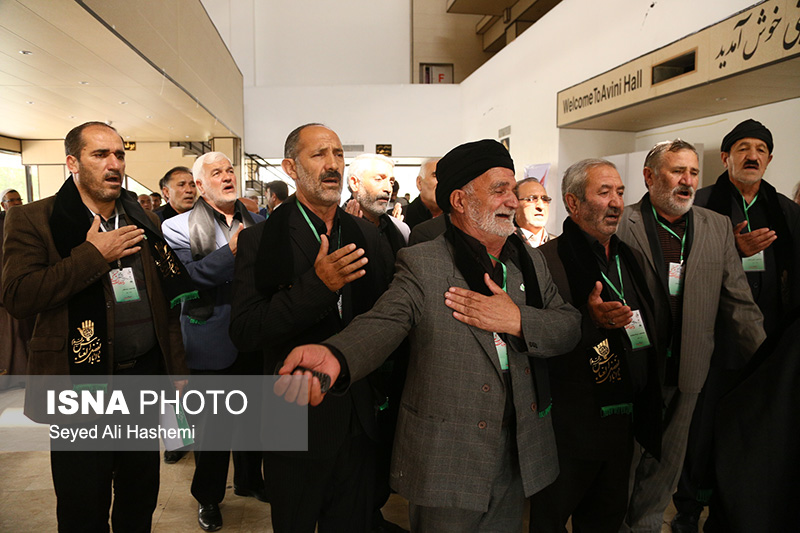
(674, 276)
(499, 343)
(122, 279)
(319, 240)
(754, 263)
(635, 329)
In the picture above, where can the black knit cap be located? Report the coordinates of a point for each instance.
(750, 128)
(464, 163)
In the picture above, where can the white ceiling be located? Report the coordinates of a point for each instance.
(78, 70)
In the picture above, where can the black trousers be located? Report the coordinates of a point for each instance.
(211, 467)
(392, 382)
(335, 492)
(83, 483)
(593, 492)
(211, 473)
(83, 480)
(697, 476)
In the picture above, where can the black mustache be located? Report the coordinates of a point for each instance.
(331, 174)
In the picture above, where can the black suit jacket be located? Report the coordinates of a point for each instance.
(428, 230)
(305, 312)
(580, 430)
(416, 213)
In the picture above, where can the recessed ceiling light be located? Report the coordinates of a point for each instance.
(127, 136)
(26, 52)
(84, 82)
(72, 116)
(30, 102)
(123, 103)
(186, 136)
(149, 116)
(720, 98)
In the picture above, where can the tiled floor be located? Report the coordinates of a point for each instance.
(27, 499)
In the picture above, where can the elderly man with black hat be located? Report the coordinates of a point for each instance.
(474, 436)
(766, 228)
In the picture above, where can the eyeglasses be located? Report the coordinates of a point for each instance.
(532, 199)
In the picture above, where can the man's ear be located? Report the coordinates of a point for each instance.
(458, 201)
(199, 185)
(724, 156)
(72, 164)
(571, 202)
(289, 166)
(649, 177)
(353, 182)
(419, 183)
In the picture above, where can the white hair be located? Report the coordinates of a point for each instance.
(425, 164)
(210, 157)
(364, 162)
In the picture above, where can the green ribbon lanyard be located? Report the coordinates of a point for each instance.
(313, 229)
(499, 345)
(319, 240)
(505, 272)
(746, 208)
(682, 239)
(755, 262)
(621, 291)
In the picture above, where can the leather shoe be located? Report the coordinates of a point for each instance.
(259, 494)
(209, 517)
(173, 457)
(685, 523)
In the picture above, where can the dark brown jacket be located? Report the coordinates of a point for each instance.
(38, 282)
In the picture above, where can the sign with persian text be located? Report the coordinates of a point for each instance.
(763, 34)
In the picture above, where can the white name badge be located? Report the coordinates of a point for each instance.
(124, 285)
(636, 332)
(502, 351)
(674, 278)
(754, 263)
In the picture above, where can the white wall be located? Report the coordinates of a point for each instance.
(572, 43)
(341, 63)
(316, 42)
(442, 37)
(782, 119)
(417, 120)
(236, 25)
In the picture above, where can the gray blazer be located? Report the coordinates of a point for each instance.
(449, 426)
(714, 288)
